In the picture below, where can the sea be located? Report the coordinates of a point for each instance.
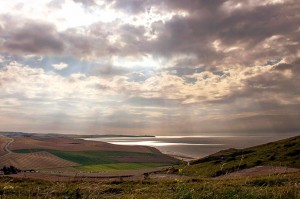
(194, 147)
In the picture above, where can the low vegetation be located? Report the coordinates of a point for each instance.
(281, 153)
(278, 186)
(115, 167)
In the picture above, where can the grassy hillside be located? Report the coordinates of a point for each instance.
(281, 153)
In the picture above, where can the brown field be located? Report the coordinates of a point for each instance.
(3, 142)
(38, 160)
(68, 144)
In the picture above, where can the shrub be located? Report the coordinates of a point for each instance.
(258, 162)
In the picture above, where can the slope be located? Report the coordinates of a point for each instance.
(281, 153)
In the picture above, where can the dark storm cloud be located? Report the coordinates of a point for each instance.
(24, 36)
(247, 28)
(294, 67)
(81, 45)
(244, 28)
(29, 37)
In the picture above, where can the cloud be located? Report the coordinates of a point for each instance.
(86, 2)
(60, 66)
(162, 66)
(132, 6)
(29, 37)
(56, 4)
(224, 37)
(151, 103)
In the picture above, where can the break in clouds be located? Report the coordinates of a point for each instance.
(150, 67)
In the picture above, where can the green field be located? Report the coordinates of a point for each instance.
(282, 153)
(115, 167)
(90, 157)
(102, 161)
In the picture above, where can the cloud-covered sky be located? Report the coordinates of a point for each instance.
(160, 67)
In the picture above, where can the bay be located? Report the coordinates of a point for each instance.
(193, 146)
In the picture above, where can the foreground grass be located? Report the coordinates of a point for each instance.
(278, 186)
(115, 167)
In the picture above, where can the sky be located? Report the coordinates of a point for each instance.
(158, 67)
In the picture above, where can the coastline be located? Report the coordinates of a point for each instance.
(181, 157)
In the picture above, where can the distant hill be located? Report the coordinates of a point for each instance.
(280, 153)
(58, 135)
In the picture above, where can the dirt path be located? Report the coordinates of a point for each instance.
(6, 146)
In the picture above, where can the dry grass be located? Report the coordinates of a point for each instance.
(266, 187)
(261, 170)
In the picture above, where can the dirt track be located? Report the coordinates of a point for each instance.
(5, 144)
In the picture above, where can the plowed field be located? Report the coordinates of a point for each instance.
(37, 160)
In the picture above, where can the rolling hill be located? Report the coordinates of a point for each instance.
(281, 153)
(204, 178)
(45, 153)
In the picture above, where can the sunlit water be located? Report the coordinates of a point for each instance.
(193, 146)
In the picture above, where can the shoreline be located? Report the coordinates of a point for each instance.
(181, 157)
